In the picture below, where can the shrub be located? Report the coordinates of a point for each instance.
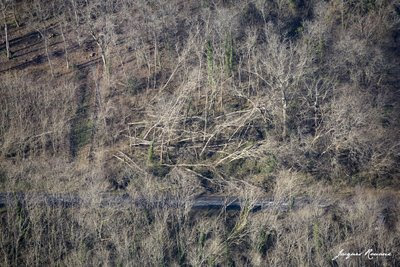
(3, 177)
(150, 154)
(266, 241)
(135, 86)
(159, 170)
(210, 62)
(81, 134)
(229, 55)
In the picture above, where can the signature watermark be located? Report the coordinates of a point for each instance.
(369, 254)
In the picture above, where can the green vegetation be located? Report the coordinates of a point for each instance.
(316, 237)
(81, 133)
(210, 62)
(229, 55)
(266, 241)
(3, 176)
(150, 154)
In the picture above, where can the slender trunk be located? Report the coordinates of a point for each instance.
(148, 62)
(155, 62)
(130, 138)
(316, 110)
(205, 115)
(46, 47)
(122, 65)
(74, 6)
(15, 16)
(103, 58)
(221, 90)
(102, 52)
(342, 14)
(6, 35)
(65, 45)
(162, 149)
(284, 114)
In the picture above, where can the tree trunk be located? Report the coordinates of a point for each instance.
(6, 35)
(284, 115)
(103, 58)
(77, 26)
(316, 110)
(65, 45)
(162, 149)
(101, 47)
(74, 6)
(15, 16)
(342, 15)
(46, 47)
(155, 61)
(48, 56)
(205, 116)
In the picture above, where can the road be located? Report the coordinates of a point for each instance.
(124, 200)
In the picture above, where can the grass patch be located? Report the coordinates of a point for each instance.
(81, 134)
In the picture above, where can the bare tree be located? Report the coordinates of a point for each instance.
(61, 14)
(100, 24)
(39, 15)
(4, 4)
(283, 66)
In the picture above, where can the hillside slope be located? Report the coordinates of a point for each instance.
(185, 98)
